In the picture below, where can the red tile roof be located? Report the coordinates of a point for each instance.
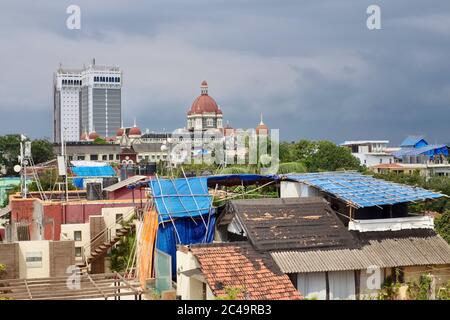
(388, 166)
(238, 265)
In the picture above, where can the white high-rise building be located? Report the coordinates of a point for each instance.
(87, 100)
(66, 119)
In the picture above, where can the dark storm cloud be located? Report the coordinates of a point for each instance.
(311, 67)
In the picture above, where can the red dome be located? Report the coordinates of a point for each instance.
(204, 103)
(120, 132)
(93, 135)
(135, 131)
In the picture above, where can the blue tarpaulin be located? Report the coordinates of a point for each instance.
(190, 232)
(361, 190)
(177, 198)
(185, 213)
(105, 171)
(88, 172)
(430, 150)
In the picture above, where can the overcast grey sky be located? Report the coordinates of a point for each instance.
(312, 67)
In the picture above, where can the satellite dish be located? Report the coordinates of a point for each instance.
(17, 168)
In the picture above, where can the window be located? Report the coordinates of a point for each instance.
(117, 157)
(78, 251)
(94, 157)
(381, 160)
(34, 259)
(119, 217)
(111, 157)
(105, 157)
(81, 157)
(209, 122)
(77, 235)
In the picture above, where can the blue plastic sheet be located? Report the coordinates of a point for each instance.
(177, 198)
(429, 150)
(87, 172)
(190, 231)
(106, 171)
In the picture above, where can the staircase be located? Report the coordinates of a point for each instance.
(103, 248)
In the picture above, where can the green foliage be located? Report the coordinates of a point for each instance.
(2, 274)
(42, 150)
(236, 170)
(2, 270)
(231, 293)
(330, 157)
(291, 167)
(9, 152)
(120, 254)
(318, 155)
(100, 141)
(443, 293)
(421, 290)
(48, 178)
(286, 152)
(389, 291)
(442, 225)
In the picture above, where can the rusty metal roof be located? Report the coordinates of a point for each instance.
(382, 249)
(291, 223)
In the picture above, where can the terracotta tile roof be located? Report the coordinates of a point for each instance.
(388, 166)
(238, 265)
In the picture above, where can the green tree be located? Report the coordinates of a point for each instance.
(292, 167)
(304, 150)
(286, 152)
(442, 225)
(42, 150)
(9, 152)
(121, 253)
(330, 157)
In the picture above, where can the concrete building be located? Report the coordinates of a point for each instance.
(37, 259)
(427, 169)
(370, 152)
(87, 100)
(101, 99)
(66, 112)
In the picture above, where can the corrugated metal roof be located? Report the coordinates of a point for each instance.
(429, 249)
(361, 191)
(124, 183)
